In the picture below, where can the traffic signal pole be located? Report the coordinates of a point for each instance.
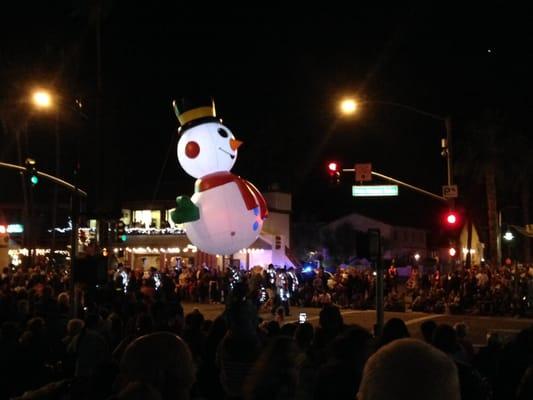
(54, 179)
(375, 254)
(77, 193)
(448, 125)
(376, 238)
(404, 184)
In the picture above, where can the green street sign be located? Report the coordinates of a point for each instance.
(374, 190)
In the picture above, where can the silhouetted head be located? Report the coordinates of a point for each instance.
(428, 329)
(445, 339)
(409, 369)
(394, 329)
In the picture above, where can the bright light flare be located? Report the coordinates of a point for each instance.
(42, 99)
(451, 219)
(348, 106)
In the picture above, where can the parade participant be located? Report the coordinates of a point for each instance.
(392, 278)
(270, 276)
(282, 295)
(294, 285)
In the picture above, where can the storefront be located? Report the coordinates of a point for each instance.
(161, 251)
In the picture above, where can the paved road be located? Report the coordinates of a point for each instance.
(479, 326)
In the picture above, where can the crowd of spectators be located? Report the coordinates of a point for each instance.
(507, 290)
(138, 344)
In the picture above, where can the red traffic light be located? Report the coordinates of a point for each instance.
(333, 167)
(451, 218)
(334, 172)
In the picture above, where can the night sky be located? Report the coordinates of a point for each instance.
(276, 75)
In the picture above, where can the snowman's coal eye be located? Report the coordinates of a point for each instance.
(222, 132)
(192, 149)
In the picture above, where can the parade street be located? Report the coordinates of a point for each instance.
(479, 326)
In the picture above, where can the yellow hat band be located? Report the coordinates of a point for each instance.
(196, 113)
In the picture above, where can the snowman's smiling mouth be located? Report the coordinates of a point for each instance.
(227, 152)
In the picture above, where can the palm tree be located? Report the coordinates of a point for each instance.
(520, 173)
(479, 154)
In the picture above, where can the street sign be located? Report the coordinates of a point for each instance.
(450, 191)
(363, 172)
(15, 228)
(374, 190)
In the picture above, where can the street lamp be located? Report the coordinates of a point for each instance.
(508, 236)
(349, 106)
(42, 99)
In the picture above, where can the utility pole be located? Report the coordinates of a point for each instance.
(374, 236)
(448, 125)
(56, 194)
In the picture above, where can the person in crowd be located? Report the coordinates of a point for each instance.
(393, 329)
(143, 326)
(194, 336)
(389, 374)
(90, 347)
(516, 357)
(138, 391)
(427, 328)
(525, 389)
(467, 348)
(330, 325)
(473, 385)
(488, 358)
(303, 336)
(240, 347)
(162, 360)
(275, 374)
(340, 375)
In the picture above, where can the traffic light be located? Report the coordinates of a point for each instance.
(31, 171)
(451, 219)
(334, 172)
(121, 233)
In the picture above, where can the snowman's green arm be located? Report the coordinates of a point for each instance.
(186, 211)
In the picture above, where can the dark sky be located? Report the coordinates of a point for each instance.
(276, 74)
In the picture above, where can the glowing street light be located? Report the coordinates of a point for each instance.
(508, 236)
(417, 257)
(348, 106)
(42, 99)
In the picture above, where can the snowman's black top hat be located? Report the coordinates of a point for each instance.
(192, 111)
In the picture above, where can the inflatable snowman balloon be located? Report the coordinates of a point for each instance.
(226, 212)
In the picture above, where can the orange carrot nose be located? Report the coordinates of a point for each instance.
(234, 144)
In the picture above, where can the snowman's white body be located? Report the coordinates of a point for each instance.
(228, 222)
(225, 225)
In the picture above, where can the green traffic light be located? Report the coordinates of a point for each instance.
(34, 179)
(123, 238)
